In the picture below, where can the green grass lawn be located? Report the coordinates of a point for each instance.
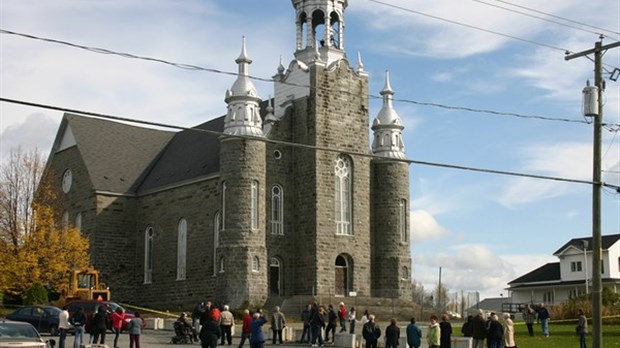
(562, 335)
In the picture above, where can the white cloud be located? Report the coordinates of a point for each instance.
(32, 133)
(560, 159)
(424, 226)
(473, 267)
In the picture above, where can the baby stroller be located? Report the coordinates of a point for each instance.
(182, 334)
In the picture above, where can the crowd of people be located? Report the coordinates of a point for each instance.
(214, 325)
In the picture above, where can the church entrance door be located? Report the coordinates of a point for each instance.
(274, 276)
(342, 275)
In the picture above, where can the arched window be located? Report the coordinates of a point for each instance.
(222, 265)
(148, 255)
(78, 222)
(277, 210)
(404, 235)
(405, 274)
(217, 225)
(181, 248)
(223, 217)
(254, 198)
(255, 264)
(342, 193)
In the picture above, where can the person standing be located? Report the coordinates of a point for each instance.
(342, 316)
(363, 322)
(305, 319)
(414, 335)
(495, 332)
(529, 316)
(196, 314)
(466, 329)
(446, 332)
(509, 331)
(352, 320)
(117, 324)
(245, 328)
(433, 337)
(392, 334)
(371, 332)
(278, 322)
(582, 328)
(210, 333)
(227, 321)
(317, 322)
(63, 326)
(257, 337)
(78, 320)
(100, 325)
(331, 322)
(135, 330)
(543, 316)
(479, 329)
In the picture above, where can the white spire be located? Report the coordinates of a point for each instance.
(243, 116)
(388, 127)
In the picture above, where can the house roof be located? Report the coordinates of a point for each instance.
(606, 242)
(115, 154)
(546, 273)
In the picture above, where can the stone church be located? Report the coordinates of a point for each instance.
(277, 198)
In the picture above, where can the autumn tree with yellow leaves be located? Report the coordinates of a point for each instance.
(36, 245)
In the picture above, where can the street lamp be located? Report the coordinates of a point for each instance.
(585, 261)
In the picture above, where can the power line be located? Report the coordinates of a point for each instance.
(471, 26)
(537, 17)
(299, 145)
(557, 17)
(262, 79)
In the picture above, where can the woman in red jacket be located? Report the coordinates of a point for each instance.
(117, 323)
(246, 328)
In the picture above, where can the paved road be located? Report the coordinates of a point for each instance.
(161, 338)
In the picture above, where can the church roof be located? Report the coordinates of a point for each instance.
(190, 154)
(115, 154)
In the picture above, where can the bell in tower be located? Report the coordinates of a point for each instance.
(320, 29)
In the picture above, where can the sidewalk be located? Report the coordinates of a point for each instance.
(161, 338)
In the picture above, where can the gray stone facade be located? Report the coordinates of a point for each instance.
(327, 245)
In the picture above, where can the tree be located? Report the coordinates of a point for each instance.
(36, 245)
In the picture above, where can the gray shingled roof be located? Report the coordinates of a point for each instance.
(606, 242)
(189, 155)
(116, 154)
(546, 273)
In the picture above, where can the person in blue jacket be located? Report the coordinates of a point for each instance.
(257, 337)
(414, 335)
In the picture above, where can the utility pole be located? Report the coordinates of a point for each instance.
(597, 303)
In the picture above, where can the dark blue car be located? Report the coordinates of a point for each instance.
(43, 318)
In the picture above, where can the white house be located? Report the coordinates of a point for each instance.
(556, 282)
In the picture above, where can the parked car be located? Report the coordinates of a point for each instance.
(43, 318)
(17, 334)
(92, 306)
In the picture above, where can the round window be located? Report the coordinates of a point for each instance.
(67, 177)
(277, 154)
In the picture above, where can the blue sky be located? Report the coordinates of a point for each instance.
(482, 229)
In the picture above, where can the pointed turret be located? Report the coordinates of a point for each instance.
(243, 116)
(388, 127)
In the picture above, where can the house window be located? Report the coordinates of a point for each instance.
(254, 204)
(221, 265)
(255, 264)
(549, 297)
(404, 236)
(148, 255)
(217, 225)
(65, 221)
(181, 248)
(602, 267)
(575, 266)
(342, 197)
(277, 220)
